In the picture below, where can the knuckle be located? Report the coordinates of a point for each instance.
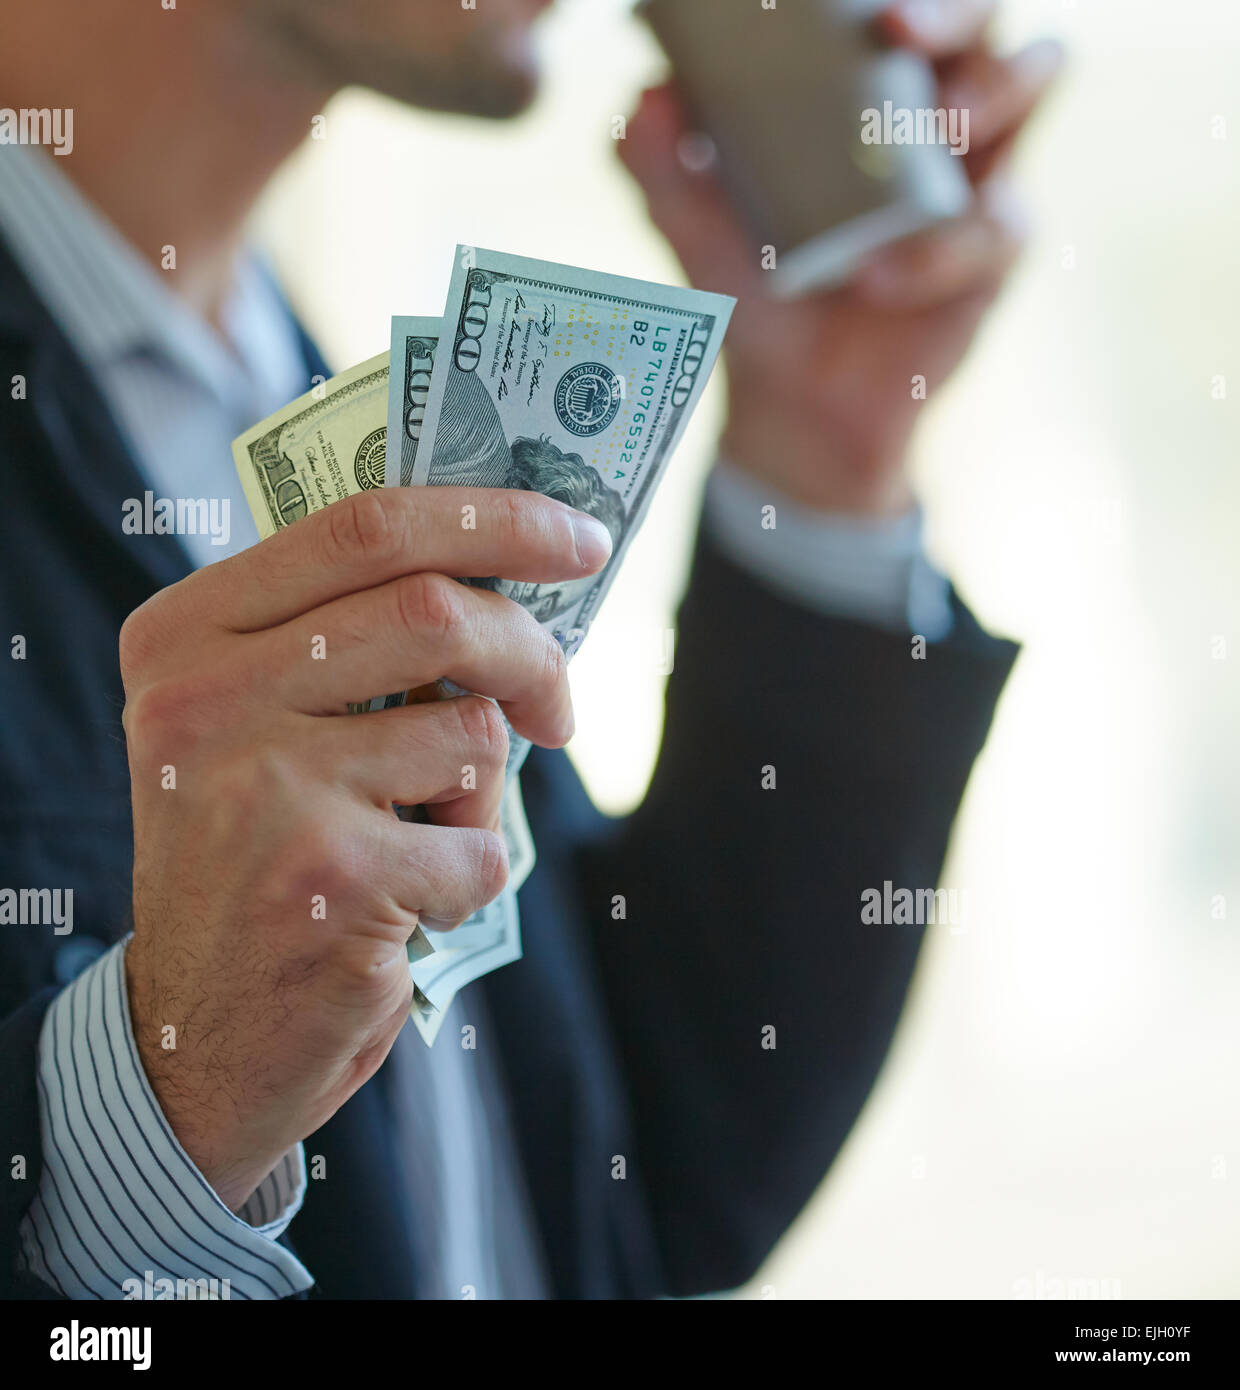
(519, 514)
(491, 858)
(140, 637)
(361, 529)
(247, 792)
(453, 886)
(131, 645)
(268, 772)
(206, 704)
(531, 521)
(159, 710)
(318, 860)
(430, 605)
(483, 728)
(554, 669)
(373, 976)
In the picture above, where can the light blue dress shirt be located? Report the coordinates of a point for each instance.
(118, 1198)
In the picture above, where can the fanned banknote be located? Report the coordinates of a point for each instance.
(563, 381)
(557, 380)
(414, 341)
(325, 445)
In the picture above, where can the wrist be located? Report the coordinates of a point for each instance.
(232, 1165)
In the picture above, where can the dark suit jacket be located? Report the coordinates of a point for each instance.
(640, 1037)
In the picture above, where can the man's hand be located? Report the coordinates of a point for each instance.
(821, 397)
(274, 888)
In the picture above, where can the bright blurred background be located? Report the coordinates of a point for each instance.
(1062, 1100)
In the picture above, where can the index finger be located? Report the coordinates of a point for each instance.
(360, 542)
(936, 28)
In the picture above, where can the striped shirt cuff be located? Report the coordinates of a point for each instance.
(846, 567)
(121, 1207)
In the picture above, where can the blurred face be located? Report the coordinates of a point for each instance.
(433, 53)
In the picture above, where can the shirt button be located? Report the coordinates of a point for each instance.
(74, 956)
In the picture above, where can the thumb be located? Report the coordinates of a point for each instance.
(686, 201)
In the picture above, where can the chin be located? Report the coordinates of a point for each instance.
(496, 76)
(508, 83)
(484, 69)
(504, 98)
(492, 93)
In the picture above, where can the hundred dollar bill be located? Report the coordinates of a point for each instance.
(325, 445)
(414, 341)
(558, 380)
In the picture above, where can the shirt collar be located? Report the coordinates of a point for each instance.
(111, 303)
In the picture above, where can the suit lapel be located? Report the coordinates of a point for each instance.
(88, 471)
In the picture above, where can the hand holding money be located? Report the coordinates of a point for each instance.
(540, 378)
(274, 890)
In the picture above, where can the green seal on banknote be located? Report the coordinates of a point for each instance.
(368, 461)
(587, 398)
